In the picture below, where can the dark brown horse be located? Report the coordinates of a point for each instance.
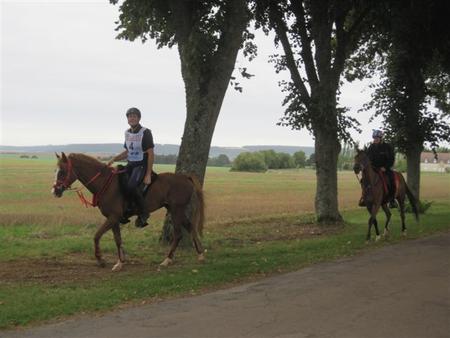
(376, 196)
(173, 191)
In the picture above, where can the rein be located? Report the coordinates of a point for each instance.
(96, 196)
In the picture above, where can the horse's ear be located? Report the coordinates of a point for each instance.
(64, 157)
(57, 156)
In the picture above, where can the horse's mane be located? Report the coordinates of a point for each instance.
(86, 160)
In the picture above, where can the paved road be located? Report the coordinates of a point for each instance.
(397, 291)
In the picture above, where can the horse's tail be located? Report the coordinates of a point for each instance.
(412, 200)
(198, 217)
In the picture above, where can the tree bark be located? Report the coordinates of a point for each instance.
(413, 170)
(206, 75)
(326, 202)
(327, 148)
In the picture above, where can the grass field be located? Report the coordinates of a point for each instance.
(256, 224)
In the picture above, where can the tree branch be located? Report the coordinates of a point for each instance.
(281, 31)
(306, 52)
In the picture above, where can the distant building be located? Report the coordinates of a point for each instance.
(428, 162)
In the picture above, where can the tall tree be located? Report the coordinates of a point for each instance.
(317, 38)
(208, 35)
(415, 74)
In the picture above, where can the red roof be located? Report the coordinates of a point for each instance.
(429, 157)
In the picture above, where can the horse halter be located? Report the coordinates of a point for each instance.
(64, 184)
(360, 164)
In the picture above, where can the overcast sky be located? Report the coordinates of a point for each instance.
(66, 79)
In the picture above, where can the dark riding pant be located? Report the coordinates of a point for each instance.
(135, 176)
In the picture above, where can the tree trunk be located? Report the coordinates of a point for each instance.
(413, 170)
(326, 154)
(206, 75)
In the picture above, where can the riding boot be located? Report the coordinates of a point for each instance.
(361, 202)
(392, 203)
(143, 214)
(126, 215)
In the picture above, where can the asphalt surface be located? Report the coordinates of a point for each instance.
(397, 291)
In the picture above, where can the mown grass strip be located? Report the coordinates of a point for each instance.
(31, 302)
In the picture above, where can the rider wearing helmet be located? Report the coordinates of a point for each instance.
(382, 157)
(140, 156)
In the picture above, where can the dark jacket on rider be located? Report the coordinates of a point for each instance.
(381, 155)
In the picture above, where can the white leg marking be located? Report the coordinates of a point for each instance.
(166, 262)
(118, 266)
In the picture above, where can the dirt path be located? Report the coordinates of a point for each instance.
(398, 291)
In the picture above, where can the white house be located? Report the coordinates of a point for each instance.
(428, 162)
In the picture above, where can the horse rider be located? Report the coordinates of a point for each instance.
(140, 156)
(382, 157)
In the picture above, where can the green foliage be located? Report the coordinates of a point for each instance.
(165, 159)
(253, 162)
(302, 29)
(422, 206)
(220, 161)
(414, 74)
(400, 163)
(299, 159)
(311, 160)
(285, 161)
(270, 160)
(346, 157)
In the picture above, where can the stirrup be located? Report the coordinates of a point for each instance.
(141, 221)
(392, 204)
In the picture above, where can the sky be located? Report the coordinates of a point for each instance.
(66, 79)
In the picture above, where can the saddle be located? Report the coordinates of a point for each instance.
(123, 182)
(386, 185)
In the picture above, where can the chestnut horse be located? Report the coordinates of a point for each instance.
(376, 196)
(172, 191)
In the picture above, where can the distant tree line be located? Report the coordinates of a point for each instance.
(263, 160)
(219, 161)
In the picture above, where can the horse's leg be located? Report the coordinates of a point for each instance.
(377, 231)
(98, 235)
(194, 235)
(369, 225)
(388, 219)
(401, 205)
(373, 209)
(118, 239)
(177, 219)
(198, 246)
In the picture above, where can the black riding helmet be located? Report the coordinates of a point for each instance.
(134, 111)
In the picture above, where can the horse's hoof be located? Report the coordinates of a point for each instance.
(166, 262)
(118, 266)
(101, 263)
(201, 257)
(404, 233)
(386, 233)
(377, 238)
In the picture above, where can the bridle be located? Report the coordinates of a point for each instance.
(362, 166)
(65, 184)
